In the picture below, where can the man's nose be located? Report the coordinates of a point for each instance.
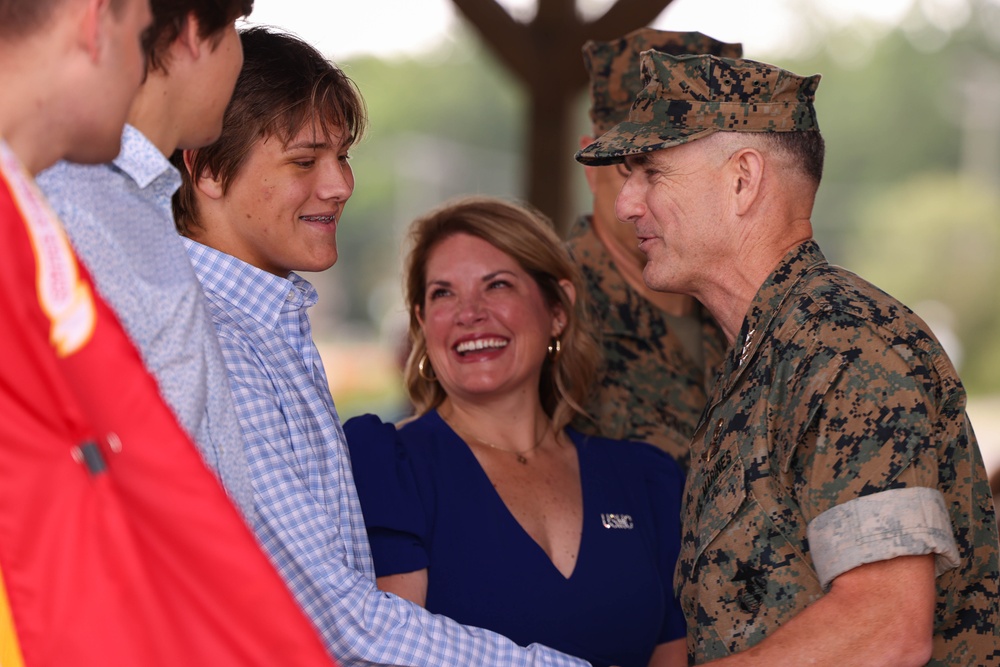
(336, 181)
(628, 204)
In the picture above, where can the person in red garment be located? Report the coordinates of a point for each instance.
(117, 545)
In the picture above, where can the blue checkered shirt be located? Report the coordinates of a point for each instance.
(119, 219)
(308, 517)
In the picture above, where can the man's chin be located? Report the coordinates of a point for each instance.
(318, 265)
(655, 280)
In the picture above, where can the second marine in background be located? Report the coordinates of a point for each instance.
(661, 350)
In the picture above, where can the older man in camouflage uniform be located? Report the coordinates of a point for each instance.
(837, 510)
(661, 349)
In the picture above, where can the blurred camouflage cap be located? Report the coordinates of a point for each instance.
(614, 68)
(689, 97)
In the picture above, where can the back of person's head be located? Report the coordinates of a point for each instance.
(23, 18)
(285, 84)
(528, 237)
(19, 18)
(70, 73)
(169, 17)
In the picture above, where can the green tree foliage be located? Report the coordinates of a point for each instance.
(933, 241)
(884, 120)
(893, 108)
(902, 203)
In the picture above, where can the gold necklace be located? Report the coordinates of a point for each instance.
(521, 458)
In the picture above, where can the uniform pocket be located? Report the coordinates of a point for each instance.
(722, 495)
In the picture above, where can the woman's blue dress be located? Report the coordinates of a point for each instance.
(428, 504)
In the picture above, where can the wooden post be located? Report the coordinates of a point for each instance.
(544, 56)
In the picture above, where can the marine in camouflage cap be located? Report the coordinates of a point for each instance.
(837, 440)
(613, 67)
(689, 97)
(661, 351)
(836, 506)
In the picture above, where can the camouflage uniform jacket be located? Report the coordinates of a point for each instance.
(836, 436)
(651, 390)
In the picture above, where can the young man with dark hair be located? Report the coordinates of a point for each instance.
(262, 202)
(119, 220)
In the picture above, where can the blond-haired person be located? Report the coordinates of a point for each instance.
(486, 507)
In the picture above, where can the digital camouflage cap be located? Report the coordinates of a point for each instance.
(692, 96)
(613, 68)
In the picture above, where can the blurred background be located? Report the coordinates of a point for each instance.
(484, 96)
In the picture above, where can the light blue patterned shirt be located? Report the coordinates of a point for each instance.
(308, 516)
(119, 219)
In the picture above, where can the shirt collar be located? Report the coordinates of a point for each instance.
(767, 302)
(143, 162)
(261, 295)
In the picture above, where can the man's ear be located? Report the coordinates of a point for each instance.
(748, 165)
(189, 37)
(206, 183)
(91, 34)
(589, 172)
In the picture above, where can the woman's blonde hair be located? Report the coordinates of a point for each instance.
(527, 236)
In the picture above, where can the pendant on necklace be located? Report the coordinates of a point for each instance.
(522, 459)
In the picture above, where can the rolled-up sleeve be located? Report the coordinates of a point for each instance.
(881, 526)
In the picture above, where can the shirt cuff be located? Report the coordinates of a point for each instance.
(885, 525)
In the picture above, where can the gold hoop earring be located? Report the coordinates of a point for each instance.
(555, 348)
(422, 367)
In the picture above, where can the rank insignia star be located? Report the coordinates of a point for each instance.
(746, 346)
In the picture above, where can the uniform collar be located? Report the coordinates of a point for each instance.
(765, 305)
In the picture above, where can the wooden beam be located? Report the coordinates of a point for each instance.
(506, 37)
(556, 13)
(544, 57)
(623, 17)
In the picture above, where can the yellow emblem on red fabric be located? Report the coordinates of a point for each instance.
(65, 298)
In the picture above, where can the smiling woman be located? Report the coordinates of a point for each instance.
(519, 244)
(485, 322)
(486, 507)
